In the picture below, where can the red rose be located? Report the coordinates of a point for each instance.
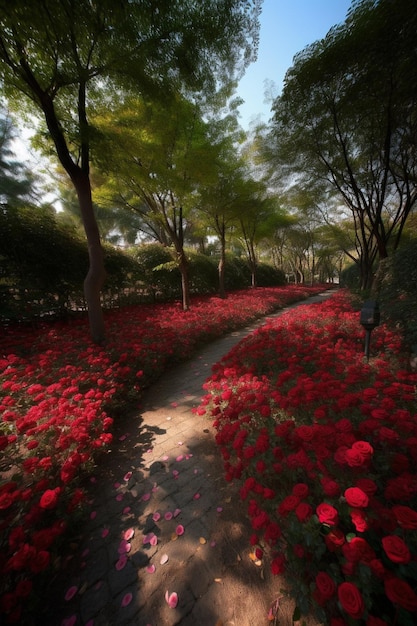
(49, 498)
(359, 520)
(325, 586)
(400, 592)
(367, 485)
(351, 599)
(40, 562)
(278, 565)
(364, 448)
(327, 514)
(406, 517)
(303, 512)
(288, 504)
(334, 539)
(300, 490)
(354, 458)
(396, 549)
(356, 497)
(330, 488)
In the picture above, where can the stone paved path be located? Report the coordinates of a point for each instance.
(163, 520)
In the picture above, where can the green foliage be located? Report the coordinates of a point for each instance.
(269, 276)
(41, 265)
(204, 276)
(237, 274)
(396, 284)
(161, 279)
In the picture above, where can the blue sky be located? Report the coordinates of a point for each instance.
(287, 26)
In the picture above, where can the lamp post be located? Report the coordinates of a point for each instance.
(370, 318)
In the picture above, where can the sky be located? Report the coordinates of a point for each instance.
(287, 27)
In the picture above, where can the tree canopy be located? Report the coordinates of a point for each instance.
(65, 56)
(346, 122)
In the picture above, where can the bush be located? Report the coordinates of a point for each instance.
(269, 276)
(396, 285)
(325, 447)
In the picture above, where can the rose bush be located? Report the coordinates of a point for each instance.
(325, 446)
(59, 395)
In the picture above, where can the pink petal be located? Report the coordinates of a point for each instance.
(128, 534)
(116, 485)
(219, 509)
(69, 621)
(168, 515)
(156, 516)
(164, 559)
(127, 476)
(177, 512)
(171, 599)
(146, 497)
(174, 404)
(93, 514)
(71, 593)
(126, 510)
(197, 496)
(121, 562)
(105, 532)
(165, 457)
(175, 473)
(179, 530)
(151, 569)
(122, 437)
(179, 458)
(119, 497)
(127, 599)
(124, 547)
(154, 540)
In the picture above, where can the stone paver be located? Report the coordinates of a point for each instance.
(168, 475)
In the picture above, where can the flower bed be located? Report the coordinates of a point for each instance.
(59, 396)
(325, 445)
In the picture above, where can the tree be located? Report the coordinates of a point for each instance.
(64, 56)
(156, 157)
(16, 182)
(347, 121)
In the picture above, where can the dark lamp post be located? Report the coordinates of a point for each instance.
(370, 318)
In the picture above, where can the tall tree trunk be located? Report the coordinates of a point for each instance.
(185, 283)
(222, 266)
(94, 280)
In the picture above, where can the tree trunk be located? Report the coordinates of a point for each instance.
(222, 265)
(94, 280)
(185, 283)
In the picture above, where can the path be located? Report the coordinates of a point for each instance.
(164, 462)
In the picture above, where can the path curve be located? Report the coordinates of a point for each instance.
(163, 483)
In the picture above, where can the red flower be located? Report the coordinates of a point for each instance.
(325, 587)
(364, 448)
(327, 514)
(400, 593)
(406, 517)
(49, 498)
(303, 512)
(278, 565)
(351, 599)
(288, 504)
(396, 549)
(356, 497)
(359, 520)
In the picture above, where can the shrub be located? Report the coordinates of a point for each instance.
(396, 285)
(325, 447)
